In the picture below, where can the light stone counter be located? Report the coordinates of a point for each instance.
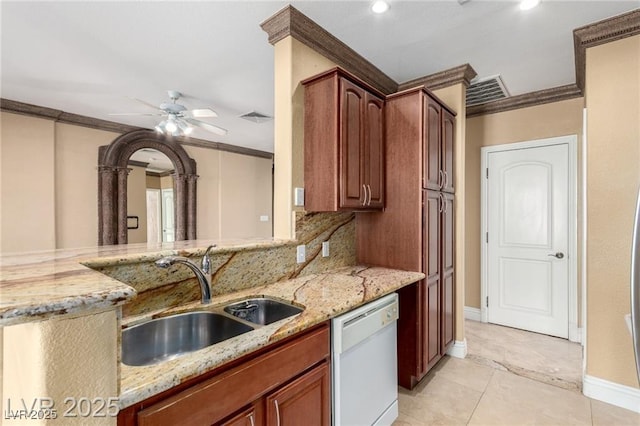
(41, 285)
(324, 296)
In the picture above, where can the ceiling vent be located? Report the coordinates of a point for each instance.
(256, 117)
(485, 90)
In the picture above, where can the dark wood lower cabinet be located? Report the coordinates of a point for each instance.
(291, 381)
(292, 404)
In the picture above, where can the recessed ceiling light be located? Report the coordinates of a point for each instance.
(528, 4)
(380, 6)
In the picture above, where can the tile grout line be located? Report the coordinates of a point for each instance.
(481, 396)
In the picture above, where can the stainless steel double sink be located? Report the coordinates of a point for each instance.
(166, 338)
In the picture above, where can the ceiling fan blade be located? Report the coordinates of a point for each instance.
(209, 127)
(201, 113)
(145, 103)
(134, 113)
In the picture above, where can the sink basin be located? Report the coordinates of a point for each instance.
(262, 310)
(165, 338)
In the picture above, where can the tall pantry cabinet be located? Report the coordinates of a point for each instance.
(416, 229)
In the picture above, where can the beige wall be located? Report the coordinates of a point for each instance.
(27, 203)
(76, 198)
(48, 187)
(613, 177)
(538, 122)
(153, 182)
(454, 98)
(137, 203)
(75, 357)
(293, 63)
(243, 205)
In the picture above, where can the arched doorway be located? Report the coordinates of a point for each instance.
(112, 185)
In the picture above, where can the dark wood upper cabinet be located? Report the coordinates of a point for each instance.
(343, 144)
(446, 156)
(439, 134)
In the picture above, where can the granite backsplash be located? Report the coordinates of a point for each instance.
(240, 268)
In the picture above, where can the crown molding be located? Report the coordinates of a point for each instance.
(289, 21)
(460, 74)
(555, 94)
(605, 31)
(15, 107)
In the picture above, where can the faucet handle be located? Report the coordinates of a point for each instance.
(206, 260)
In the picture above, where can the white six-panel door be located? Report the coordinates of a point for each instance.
(528, 238)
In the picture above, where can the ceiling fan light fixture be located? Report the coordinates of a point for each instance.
(380, 6)
(185, 129)
(170, 126)
(528, 4)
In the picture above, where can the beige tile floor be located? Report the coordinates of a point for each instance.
(487, 388)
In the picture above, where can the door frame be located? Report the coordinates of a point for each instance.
(572, 142)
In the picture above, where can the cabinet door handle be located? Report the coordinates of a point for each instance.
(275, 402)
(364, 190)
(446, 179)
(369, 188)
(440, 179)
(253, 423)
(441, 203)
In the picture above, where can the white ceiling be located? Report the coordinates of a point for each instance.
(91, 58)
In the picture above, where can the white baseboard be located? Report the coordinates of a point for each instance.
(611, 393)
(458, 349)
(472, 313)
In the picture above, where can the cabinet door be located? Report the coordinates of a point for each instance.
(432, 264)
(248, 417)
(351, 141)
(373, 159)
(305, 401)
(432, 173)
(447, 272)
(448, 135)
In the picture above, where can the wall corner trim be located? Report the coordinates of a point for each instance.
(460, 74)
(601, 32)
(611, 393)
(289, 21)
(458, 349)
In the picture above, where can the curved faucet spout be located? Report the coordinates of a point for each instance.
(203, 279)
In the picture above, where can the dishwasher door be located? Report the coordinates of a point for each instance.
(364, 364)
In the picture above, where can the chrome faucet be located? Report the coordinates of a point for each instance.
(203, 273)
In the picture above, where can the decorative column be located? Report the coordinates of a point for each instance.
(191, 206)
(180, 196)
(106, 208)
(123, 173)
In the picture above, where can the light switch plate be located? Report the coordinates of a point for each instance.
(298, 196)
(301, 254)
(325, 249)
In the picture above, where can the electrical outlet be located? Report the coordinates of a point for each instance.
(264, 218)
(325, 249)
(301, 254)
(298, 196)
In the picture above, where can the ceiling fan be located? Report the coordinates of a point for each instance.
(178, 119)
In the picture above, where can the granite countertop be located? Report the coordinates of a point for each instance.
(45, 284)
(323, 295)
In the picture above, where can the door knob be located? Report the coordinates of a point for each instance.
(559, 255)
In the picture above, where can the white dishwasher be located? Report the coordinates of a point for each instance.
(364, 364)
